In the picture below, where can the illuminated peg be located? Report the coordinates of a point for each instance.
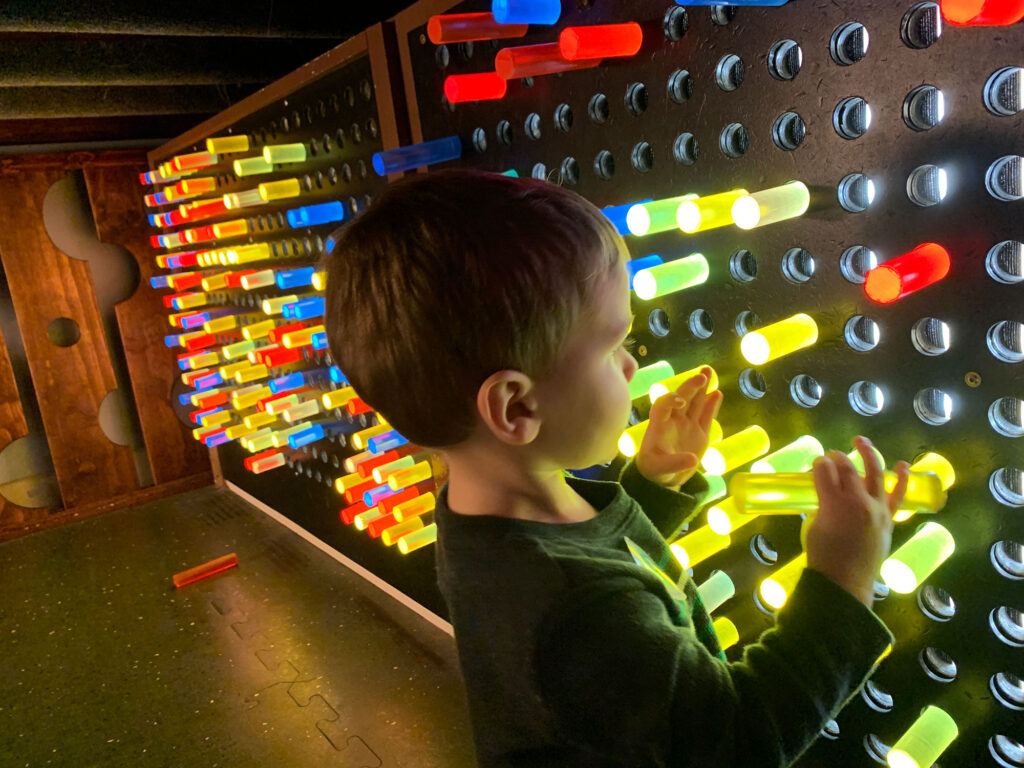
(338, 397)
(301, 338)
(630, 440)
(671, 277)
(798, 456)
(858, 461)
(939, 464)
(280, 190)
(925, 740)
(726, 632)
(421, 538)
(463, 27)
(382, 472)
(425, 153)
(415, 507)
(724, 518)
(698, 546)
(716, 486)
(275, 306)
(600, 41)
(736, 450)
(258, 330)
(906, 274)
(982, 13)
(775, 590)
(359, 439)
(285, 153)
(479, 86)
(363, 519)
(252, 166)
(235, 228)
(711, 212)
(779, 339)
(301, 411)
(794, 492)
(414, 474)
(716, 590)
(771, 205)
(258, 279)
(672, 384)
(392, 534)
(536, 60)
(647, 376)
(526, 11)
(654, 216)
(244, 199)
(222, 145)
(905, 569)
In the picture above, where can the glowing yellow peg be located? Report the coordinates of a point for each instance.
(281, 404)
(224, 144)
(736, 450)
(247, 198)
(670, 277)
(258, 330)
(716, 590)
(216, 282)
(382, 472)
(246, 397)
(280, 190)
(215, 419)
(338, 397)
(244, 254)
(252, 373)
(343, 483)
(779, 339)
(391, 535)
(192, 300)
(233, 228)
(201, 186)
(775, 590)
(905, 569)
(724, 518)
(930, 462)
(261, 441)
(672, 384)
(280, 438)
(363, 519)
(301, 411)
(201, 361)
(301, 337)
(794, 492)
(258, 279)
(239, 430)
(726, 632)
(421, 538)
(237, 349)
(285, 153)
(275, 306)
(414, 507)
(655, 216)
(798, 456)
(709, 212)
(252, 166)
(858, 461)
(923, 743)
(771, 205)
(647, 376)
(228, 371)
(360, 438)
(698, 546)
(716, 488)
(414, 474)
(633, 437)
(259, 419)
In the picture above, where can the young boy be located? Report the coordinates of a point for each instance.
(485, 317)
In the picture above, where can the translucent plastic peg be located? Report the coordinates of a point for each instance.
(698, 546)
(907, 274)
(779, 339)
(671, 277)
(716, 590)
(724, 518)
(463, 27)
(702, 213)
(798, 456)
(654, 216)
(726, 632)
(222, 145)
(414, 507)
(280, 190)
(647, 376)
(417, 539)
(414, 155)
(794, 492)
(414, 474)
(285, 153)
(775, 590)
(925, 740)
(536, 60)
(477, 86)
(252, 166)
(771, 205)
(736, 450)
(526, 11)
(982, 13)
(672, 384)
(905, 569)
(600, 41)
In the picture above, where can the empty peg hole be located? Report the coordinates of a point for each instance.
(659, 323)
(680, 86)
(862, 333)
(1004, 91)
(1006, 417)
(1005, 178)
(933, 406)
(636, 99)
(849, 43)
(924, 108)
(1007, 625)
(852, 117)
(1007, 486)
(927, 185)
(856, 192)
(598, 108)
(785, 59)
(743, 266)
(503, 132)
(797, 265)
(831, 730)
(685, 149)
(1008, 559)
(1005, 262)
(723, 14)
(805, 390)
(930, 336)
(876, 748)
(701, 324)
(746, 321)
(729, 72)
(763, 550)
(563, 117)
(604, 164)
(570, 171)
(675, 23)
(1006, 341)
(936, 603)
(1008, 690)
(921, 26)
(479, 140)
(877, 697)
(734, 140)
(856, 262)
(937, 664)
(532, 126)
(788, 131)
(867, 398)
(1006, 752)
(752, 384)
(642, 157)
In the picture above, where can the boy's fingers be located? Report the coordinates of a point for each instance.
(692, 385)
(825, 478)
(900, 491)
(874, 476)
(709, 412)
(696, 404)
(847, 473)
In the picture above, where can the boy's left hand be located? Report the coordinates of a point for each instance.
(678, 434)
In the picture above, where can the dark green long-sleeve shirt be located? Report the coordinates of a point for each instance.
(575, 655)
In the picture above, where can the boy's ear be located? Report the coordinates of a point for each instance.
(507, 405)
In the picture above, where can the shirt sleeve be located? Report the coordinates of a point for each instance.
(667, 509)
(623, 680)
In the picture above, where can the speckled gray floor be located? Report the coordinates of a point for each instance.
(288, 659)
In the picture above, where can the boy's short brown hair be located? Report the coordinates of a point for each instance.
(452, 276)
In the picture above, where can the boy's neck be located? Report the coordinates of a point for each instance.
(505, 490)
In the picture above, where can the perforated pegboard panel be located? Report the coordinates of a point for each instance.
(969, 222)
(344, 107)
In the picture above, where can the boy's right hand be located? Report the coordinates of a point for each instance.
(851, 534)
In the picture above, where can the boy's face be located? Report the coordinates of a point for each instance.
(585, 403)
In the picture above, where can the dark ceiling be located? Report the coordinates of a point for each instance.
(76, 73)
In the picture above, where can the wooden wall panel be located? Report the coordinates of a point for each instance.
(70, 382)
(116, 199)
(12, 427)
